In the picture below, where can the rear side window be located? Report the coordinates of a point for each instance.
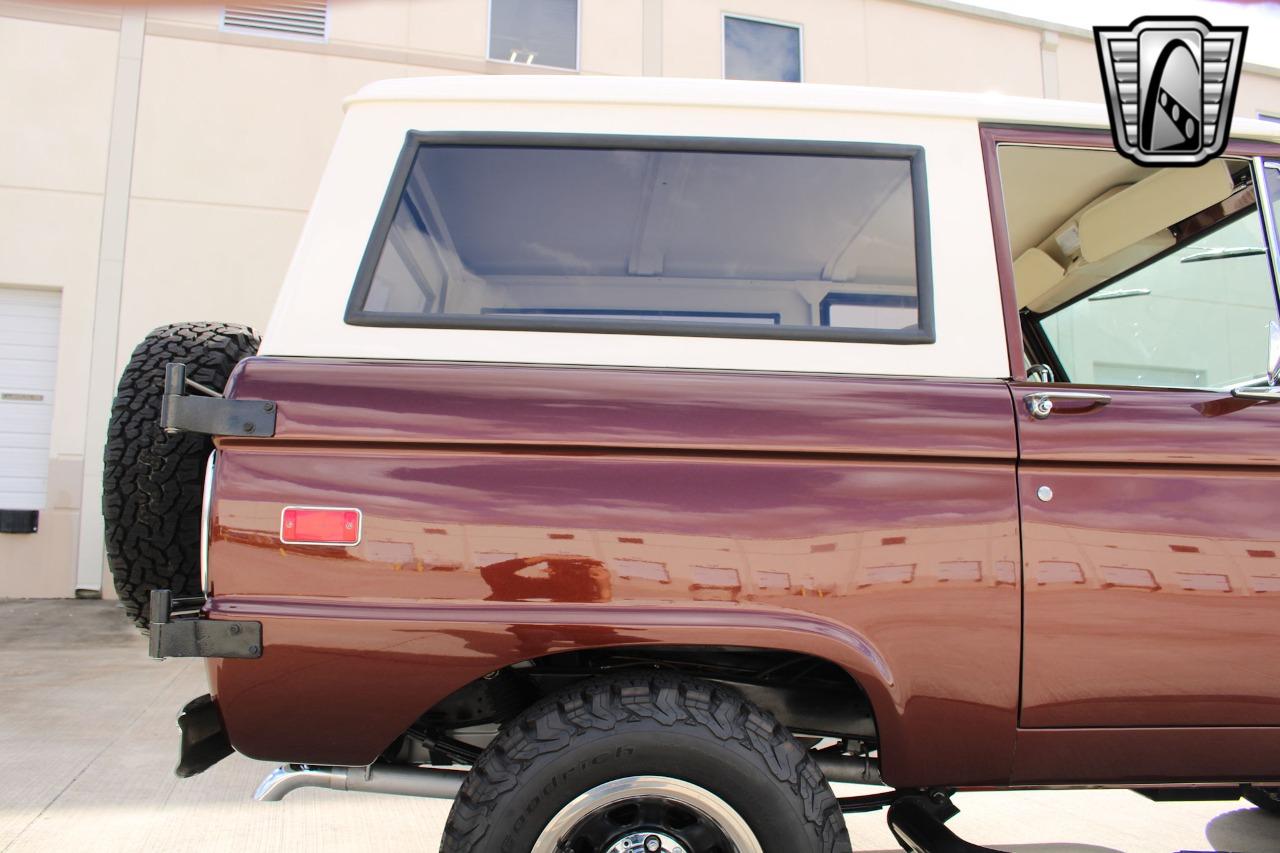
(652, 237)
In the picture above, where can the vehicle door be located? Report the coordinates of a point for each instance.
(1149, 480)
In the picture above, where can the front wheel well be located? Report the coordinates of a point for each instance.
(813, 697)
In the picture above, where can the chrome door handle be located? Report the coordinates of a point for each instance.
(1040, 404)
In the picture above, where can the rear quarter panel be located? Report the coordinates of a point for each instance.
(513, 512)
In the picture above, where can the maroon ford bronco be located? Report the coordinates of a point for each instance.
(628, 460)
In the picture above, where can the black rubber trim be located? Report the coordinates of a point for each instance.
(924, 333)
(204, 741)
(1215, 793)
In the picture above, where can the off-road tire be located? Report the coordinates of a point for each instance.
(1267, 799)
(658, 724)
(152, 482)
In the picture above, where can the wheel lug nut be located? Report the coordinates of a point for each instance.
(653, 844)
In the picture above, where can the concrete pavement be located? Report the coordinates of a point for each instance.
(88, 743)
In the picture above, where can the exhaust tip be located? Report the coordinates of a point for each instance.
(435, 782)
(291, 777)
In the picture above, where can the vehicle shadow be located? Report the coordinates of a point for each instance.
(1034, 848)
(1246, 830)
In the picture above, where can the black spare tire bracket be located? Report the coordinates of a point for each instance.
(210, 415)
(179, 631)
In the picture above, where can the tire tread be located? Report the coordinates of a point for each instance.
(152, 482)
(555, 723)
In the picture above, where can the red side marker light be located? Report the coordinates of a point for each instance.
(320, 525)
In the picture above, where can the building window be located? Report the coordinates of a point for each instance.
(534, 32)
(755, 49)
(302, 19)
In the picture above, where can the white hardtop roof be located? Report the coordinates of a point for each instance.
(820, 97)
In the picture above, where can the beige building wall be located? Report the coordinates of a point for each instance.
(53, 157)
(156, 168)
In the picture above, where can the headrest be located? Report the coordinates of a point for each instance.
(1034, 274)
(1152, 204)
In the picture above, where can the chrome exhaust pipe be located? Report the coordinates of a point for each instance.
(432, 782)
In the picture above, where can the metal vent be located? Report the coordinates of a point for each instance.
(295, 19)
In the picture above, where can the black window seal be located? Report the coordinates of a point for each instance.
(1038, 342)
(924, 333)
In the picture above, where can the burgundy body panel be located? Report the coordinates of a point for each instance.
(511, 406)
(1147, 756)
(512, 512)
(1153, 575)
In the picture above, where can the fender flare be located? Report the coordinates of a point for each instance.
(498, 635)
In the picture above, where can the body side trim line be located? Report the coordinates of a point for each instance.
(615, 451)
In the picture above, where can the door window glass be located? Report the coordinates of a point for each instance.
(1195, 316)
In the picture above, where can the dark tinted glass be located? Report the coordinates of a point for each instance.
(528, 235)
(756, 50)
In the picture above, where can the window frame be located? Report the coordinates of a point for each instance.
(992, 135)
(724, 39)
(1263, 169)
(577, 43)
(924, 333)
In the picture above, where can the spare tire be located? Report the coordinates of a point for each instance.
(153, 482)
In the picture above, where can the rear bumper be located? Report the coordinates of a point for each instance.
(204, 741)
(179, 630)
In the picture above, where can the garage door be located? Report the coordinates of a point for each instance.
(28, 359)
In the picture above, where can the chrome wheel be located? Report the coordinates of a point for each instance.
(647, 814)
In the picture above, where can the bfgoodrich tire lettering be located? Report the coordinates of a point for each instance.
(152, 482)
(655, 724)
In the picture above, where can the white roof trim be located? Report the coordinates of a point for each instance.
(811, 97)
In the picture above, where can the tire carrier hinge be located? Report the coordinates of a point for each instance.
(211, 415)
